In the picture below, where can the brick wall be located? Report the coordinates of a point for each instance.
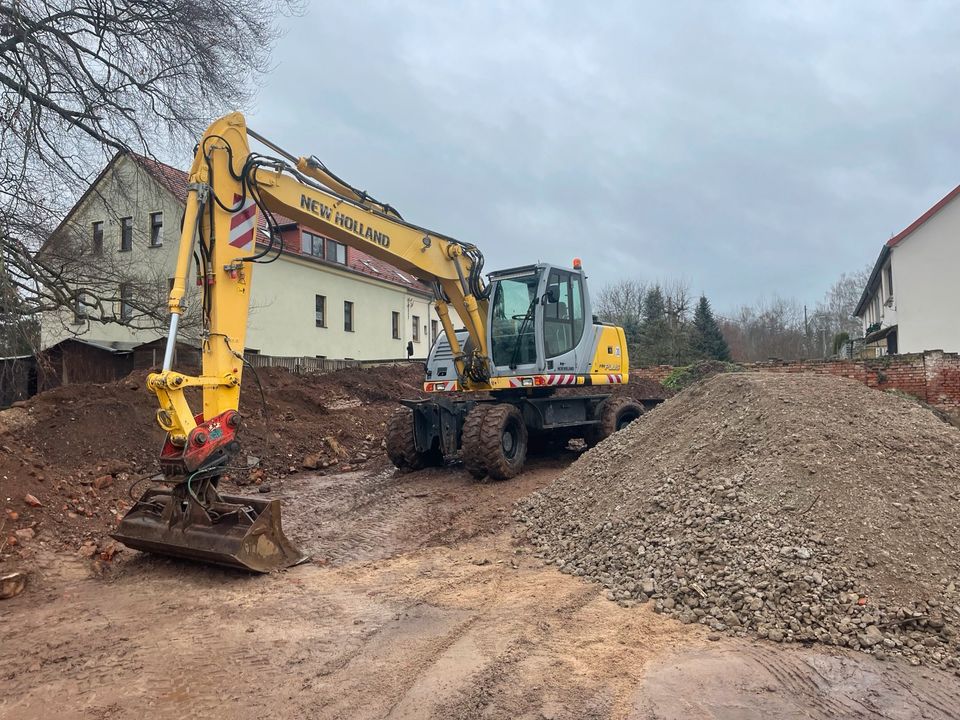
(657, 373)
(932, 376)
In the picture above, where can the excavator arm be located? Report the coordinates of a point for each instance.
(229, 189)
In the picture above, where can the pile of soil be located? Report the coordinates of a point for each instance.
(73, 459)
(789, 507)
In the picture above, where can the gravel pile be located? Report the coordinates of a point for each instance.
(790, 507)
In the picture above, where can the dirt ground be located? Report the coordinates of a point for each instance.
(419, 603)
(82, 475)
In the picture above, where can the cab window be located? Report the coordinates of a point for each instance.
(563, 313)
(513, 331)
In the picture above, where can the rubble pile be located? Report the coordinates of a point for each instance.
(795, 508)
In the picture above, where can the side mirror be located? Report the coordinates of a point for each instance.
(551, 296)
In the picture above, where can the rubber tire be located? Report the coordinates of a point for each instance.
(615, 414)
(471, 451)
(499, 419)
(401, 445)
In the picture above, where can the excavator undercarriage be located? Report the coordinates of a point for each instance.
(494, 435)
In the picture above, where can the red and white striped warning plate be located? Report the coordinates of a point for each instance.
(615, 379)
(561, 379)
(243, 224)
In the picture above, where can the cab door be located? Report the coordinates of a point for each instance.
(514, 323)
(564, 314)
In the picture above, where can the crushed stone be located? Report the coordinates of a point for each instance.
(795, 508)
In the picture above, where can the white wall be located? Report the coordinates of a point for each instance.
(881, 306)
(127, 190)
(282, 317)
(925, 287)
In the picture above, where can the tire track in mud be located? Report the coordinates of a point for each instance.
(365, 516)
(760, 680)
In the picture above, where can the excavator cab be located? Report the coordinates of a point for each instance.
(537, 320)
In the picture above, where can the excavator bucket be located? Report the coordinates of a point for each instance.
(199, 524)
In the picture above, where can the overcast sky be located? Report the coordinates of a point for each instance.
(747, 147)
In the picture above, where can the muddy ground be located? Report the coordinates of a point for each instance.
(419, 603)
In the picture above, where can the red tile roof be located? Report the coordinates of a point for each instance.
(176, 182)
(912, 227)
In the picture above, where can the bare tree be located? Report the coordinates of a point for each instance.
(622, 302)
(833, 316)
(679, 302)
(82, 80)
(770, 328)
(656, 318)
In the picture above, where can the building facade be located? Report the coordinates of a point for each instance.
(910, 303)
(318, 299)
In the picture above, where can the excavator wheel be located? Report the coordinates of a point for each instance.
(503, 439)
(402, 447)
(471, 450)
(615, 414)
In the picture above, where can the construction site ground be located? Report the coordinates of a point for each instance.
(422, 599)
(419, 603)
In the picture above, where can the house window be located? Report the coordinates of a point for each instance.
(80, 309)
(336, 252)
(312, 244)
(98, 237)
(416, 328)
(322, 247)
(396, 325)
(126, 233)
(348, 316)
(321, 311)
(888, 279)
(126, 297)
(156, 229)
(434, 331)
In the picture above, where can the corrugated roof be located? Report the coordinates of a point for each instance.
(118, 347)
(176, 182)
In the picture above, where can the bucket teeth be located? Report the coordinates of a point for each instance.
(200, 524)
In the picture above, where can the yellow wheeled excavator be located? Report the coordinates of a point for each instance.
(527, 333)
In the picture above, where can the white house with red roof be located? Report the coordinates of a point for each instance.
(911, 301)
(318, 299)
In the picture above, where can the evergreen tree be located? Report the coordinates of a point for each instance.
(655, 340)
(708, 341)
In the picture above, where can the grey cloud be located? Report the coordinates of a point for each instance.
(748, 147)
